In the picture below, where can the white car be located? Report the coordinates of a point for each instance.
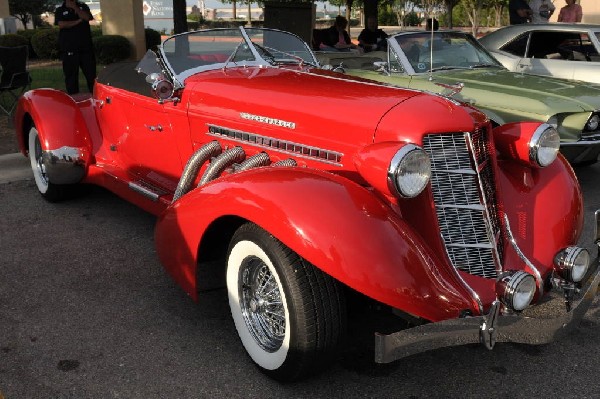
(568, 51)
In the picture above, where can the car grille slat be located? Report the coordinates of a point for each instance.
(463, 187)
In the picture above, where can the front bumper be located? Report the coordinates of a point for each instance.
(540, 324)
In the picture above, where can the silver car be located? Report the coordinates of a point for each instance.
(568, 51)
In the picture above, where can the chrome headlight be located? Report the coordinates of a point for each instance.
(409, 171)
(592, 123)
(516, 289)
(572, 263)
(544, 145)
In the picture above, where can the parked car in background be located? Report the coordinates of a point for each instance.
(455, 64)
(568, 51)
(299, 186)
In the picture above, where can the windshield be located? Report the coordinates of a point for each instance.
(281, 46)
(196, 51)
(446, 50)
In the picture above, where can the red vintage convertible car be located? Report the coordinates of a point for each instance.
(305, 185)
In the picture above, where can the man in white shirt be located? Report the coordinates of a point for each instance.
(542, 10)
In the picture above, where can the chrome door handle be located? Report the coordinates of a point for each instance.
(157, 128)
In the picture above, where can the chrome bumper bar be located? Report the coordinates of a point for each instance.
(540, 324)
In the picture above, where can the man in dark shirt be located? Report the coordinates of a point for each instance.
(75, 42)
(372, 38)
(519, 12)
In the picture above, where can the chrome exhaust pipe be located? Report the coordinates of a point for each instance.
(193, 165)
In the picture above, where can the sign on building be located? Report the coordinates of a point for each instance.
(158, 14)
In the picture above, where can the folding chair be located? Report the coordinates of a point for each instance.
(15, 78)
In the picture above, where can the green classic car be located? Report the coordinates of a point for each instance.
(454, 64)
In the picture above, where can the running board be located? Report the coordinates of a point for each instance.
(147, 190)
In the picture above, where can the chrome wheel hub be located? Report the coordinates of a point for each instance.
(41, 169)
(261, 304)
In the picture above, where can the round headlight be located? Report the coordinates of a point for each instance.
(409, 171)
(516, 289)
(544, 145)
(592, 123)
(572, 263)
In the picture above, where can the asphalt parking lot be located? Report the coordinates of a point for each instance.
(86, 311)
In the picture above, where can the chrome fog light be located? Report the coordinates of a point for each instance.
(592, 123)
(516, 289)
(572, 263)
(544, 145)
(409, 171)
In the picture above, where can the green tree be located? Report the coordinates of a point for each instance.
(404, 8)
(498, 7)
(24, 11)
(450, 4)
(473, 9)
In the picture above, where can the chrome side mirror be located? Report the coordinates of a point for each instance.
(381, 66)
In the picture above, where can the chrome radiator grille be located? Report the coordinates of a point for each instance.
(462, 181)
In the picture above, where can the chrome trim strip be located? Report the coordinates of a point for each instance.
(486, 212)
(474, 294)
(581, 142)
(285, 146)
(472, 207)
(146, 192)
(64, 165)
(511, 239)
(597, 228)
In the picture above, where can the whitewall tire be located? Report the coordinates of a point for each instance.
(289, 315)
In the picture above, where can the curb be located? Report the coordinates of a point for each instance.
(14, 167)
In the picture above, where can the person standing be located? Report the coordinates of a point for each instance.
(75, 42)
(572, 12)
(541, 10)
(519, 12)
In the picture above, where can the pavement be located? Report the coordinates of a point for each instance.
(14, 167)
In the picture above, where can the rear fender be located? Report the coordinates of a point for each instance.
(63, 133)
(335, 224)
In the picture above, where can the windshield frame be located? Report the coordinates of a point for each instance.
(245, 35)
(396, 51)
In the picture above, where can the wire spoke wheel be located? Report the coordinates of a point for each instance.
(288, 314)
(262, 307)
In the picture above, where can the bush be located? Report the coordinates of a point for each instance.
(45, 43)
(193, 25)
(13, 40)
(153, 38)
(28, 34)
(111, 48)
(96, 31)
(387, 16)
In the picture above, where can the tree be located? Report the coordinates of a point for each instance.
(473, 9)
(498, 6)
(402, 8)
(179, 16)
(25, 10)
(450, 4)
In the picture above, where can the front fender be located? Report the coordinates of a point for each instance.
(335, 224)
(62, 130)
(545, 209)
